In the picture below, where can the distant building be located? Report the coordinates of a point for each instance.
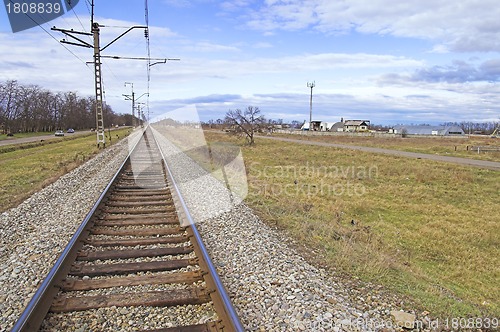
(337, 126)
(325, 126)
(356, 125)
(428, 130)
(348, 126)
(316, 125)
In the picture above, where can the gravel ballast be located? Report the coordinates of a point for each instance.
(273, 288)
(34, 233)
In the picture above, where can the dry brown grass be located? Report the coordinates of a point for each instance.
(425, 229)
(27, 168)
(444, 146)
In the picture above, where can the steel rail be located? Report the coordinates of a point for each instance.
(226, 301)
(36, 310)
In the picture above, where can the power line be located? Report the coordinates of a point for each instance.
(163, 60)
(109, 68)
(41, 27)
(87, 3)
(67, 49)
(116, 26)
(76, 40)
(78, 18)
(146, 34)
(85, 30)
(88, 8)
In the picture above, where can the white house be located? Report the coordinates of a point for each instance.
(316, 125)
(356, 125)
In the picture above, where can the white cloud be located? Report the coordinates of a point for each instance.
(464, 26)
(178, 3)
(234, 5)
(380, 87)
(280, 73)
(263, 45)
(206, 47)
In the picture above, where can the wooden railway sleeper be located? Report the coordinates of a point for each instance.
(208, 327)
(72, 284)
(150, 299)
(89, 255)
(113, 207)
(80, 270)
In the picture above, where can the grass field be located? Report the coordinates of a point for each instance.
(444, 146)
(27, 168)
(427, 230)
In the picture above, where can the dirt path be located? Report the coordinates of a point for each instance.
(456, 160)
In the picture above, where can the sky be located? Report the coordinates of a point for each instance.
(386, 61)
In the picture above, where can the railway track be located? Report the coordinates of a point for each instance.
(132, 251)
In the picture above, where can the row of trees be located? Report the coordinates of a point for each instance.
(250, 120)
(468, 127)
(234, 116)
(221, 123)
(30, 108)
(475, 127)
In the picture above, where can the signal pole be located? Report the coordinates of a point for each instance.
(140, 113)
(97, 66)
(131, 97)
(77, 41)
(101, 138)
(311, 85)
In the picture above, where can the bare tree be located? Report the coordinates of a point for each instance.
(245, 122)
(27, 108)
(296, 124)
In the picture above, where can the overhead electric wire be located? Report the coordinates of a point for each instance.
(87, 3)
(91, 41)
(78, 18)
(146, 16)
(148, 68)
(47, 32)
(102, 61)
(116, 26)
(146, 34)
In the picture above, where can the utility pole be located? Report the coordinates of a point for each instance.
(97, 65)
(101, 138)
(311, 85)
(140, 114)
(131, 97)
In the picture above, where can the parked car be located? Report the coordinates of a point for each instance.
(59, 133)
(71, 131)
